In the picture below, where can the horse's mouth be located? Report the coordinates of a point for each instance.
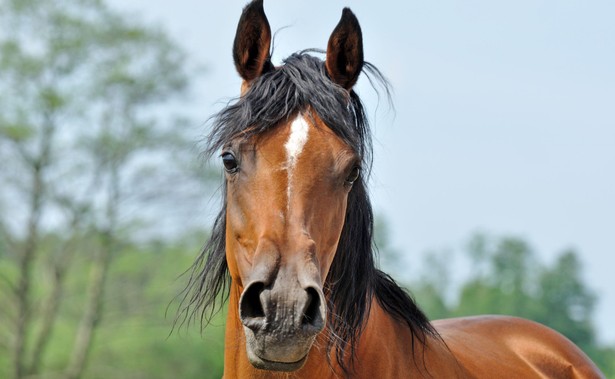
(277, 352)
(265, 364)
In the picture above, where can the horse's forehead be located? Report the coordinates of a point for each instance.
(304, 138)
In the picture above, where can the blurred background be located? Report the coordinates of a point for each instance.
(493, 177)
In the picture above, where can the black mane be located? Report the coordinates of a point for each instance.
(353, 279)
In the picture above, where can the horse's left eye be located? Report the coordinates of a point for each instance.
(353, 175)
(230, 162)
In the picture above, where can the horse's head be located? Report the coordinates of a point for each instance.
(291, 156)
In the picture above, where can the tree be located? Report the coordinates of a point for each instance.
(507, 278)
(567, 304)
(434, 284)
(133, 338)
(82, 148)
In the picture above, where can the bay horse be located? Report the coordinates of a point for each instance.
(292, 251)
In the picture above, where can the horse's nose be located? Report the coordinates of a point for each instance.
(296, 309)
(313, 315)
(251, 310)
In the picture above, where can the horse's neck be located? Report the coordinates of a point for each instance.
(386, 349)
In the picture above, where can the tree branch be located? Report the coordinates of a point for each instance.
(28, 254)
(98, 275)
(53, 301)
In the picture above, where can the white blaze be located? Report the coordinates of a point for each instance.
(294, 146)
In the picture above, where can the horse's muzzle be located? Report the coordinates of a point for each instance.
(281, 323)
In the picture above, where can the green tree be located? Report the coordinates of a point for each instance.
(85, 143)
(133, 339)
(567, 304)
(434, 284)
(504, 279)
(507, 278)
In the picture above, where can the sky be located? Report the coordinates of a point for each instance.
(504, 118)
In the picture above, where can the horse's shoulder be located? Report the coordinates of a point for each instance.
(486, 345)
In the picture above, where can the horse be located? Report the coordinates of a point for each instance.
(291, 251)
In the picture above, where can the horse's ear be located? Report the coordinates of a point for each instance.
(345, 51)
(252, 42)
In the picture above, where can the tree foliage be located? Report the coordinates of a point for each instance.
(133, 338)
(91, 160)
(507, 278)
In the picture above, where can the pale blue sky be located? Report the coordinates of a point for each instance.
(504, 122)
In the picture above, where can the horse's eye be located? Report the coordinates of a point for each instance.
(353, 175)
(230, 162)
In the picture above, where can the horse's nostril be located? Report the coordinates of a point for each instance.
(250, 306)
(311, 313)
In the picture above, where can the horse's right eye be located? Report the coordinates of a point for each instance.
(230, 162)
(354, 175)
